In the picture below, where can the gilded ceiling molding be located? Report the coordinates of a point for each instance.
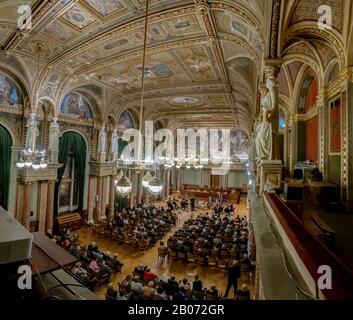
(241, 43)
(138, 53)
(331, 40)
(248, 17)
(338, 85)
(123, 29)
(309, 62)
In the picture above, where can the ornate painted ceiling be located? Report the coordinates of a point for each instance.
(205, 51)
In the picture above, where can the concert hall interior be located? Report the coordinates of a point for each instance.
(176, 150)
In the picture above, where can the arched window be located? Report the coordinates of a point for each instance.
(10, 94)
(75, 105)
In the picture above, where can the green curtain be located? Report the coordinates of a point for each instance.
(72, 142)
(121, 202)
(5, 166)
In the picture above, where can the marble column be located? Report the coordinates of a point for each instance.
(139, 187)
(104, 198)
(178, 172)
(50, 206)
(349, 146)
(97, 213)
(111, 197)
(26, 208)
(323, 121)
(133, 190)
(91, 202)
(43, 202)
(167, 183)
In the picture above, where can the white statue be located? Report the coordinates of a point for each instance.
(32, 131)
(114, 145)
(102, 140)
(267, 129)
(54, 134)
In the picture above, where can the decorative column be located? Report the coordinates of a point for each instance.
(133, 191)
(178, 172)
(167, 182)
(98, 213)
(43, 201)
(139, 187)
(104, 198)
(111, 198)
(50, 207)
(323, 119)
(346, 138)
(26, 208)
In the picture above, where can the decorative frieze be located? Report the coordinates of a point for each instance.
(102, 169)
(48, 174)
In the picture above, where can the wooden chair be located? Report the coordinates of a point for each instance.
(143, 245)
(199, 295)
(182, 257)
(134, 243)
(190, 258)
(127, 240)
(173, 255)
(200, 260)
(212, 262)
(223, 264)
(211, 297)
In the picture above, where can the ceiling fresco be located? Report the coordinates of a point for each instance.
(100, 42)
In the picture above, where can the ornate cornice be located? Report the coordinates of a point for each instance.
(276, 12)
(336, 86)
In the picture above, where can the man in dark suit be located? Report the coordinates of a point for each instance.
(233, 276)
(192, 203)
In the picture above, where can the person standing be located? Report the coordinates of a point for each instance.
(192, 203)
(233, 276)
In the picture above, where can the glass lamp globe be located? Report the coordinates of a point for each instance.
(119, 176)
(124, 186)
(155, 186)
(146, 179)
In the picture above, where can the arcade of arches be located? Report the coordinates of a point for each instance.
(261, 68)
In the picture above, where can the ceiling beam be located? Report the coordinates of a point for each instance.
(208, 20)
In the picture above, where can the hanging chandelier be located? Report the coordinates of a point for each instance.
(35, 159)
(143, 163)
(155, 186)
(146, 180)
(30, 157)
(124, 186)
